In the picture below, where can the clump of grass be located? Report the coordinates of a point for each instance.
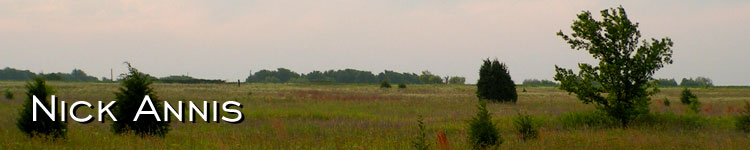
(385, 84)
(420, 141)
(401, 86)
(8, 94)
(743, 121)
(483, 133)
(525, 126)
(672, 121)
(592, 119)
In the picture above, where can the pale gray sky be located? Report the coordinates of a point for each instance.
(226, 39)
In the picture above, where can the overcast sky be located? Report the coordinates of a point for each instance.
(227, 39)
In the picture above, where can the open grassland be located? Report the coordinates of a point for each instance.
(294, 116)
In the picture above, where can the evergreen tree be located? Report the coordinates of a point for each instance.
(44, 125)
(135, 86)
(483, 133)
(495, 83)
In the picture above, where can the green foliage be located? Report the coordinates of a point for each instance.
(686, 96)
(456, 80)
(525, 126)
(483, 133)
(743, 120)
(697, 82)
(626, 65)
(44, 125)
(401, 86)
(666, 102)
(666, 82)
(495, 83)
(8, 94)
(187, 79)
(385, 84)
(135, 87)
(536, 82)
(420, 141)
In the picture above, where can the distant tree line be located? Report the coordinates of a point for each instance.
(536, 82)
(686, 82)
(187, 79)
(21, 75)
(283, 75)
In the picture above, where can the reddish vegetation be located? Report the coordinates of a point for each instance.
(442, 142)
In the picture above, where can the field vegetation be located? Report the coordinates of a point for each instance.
(364, 116)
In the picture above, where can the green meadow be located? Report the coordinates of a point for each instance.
(364, 116)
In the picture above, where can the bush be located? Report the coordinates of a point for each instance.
(483, 133)
(686, 96)
(420, 141)
(135, 86)
(495, 83)
(8, 94)
(525, 127)
(44, 125)
(694, 106)
(385, 84)
(666, 102)
(401, 86)
(743, 121)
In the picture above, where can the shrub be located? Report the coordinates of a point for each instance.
(135, 86)
(401, 86)
(743, 121)
(694, 106)
(44, 125)
(385, 84)
(483, 133)
(525, 126)
(495, 83)
(686, 96)
(8, 94)
(420, 141)
(666, 102)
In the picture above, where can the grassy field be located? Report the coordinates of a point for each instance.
(293, 116)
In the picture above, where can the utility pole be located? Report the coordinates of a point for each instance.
(111, 75)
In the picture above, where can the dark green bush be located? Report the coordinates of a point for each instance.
(483, 133)
(420, 141)
(135, 86)
(44, 126)
(525, 126)
(401, 86)
(8, 94)
(666, 102)
(385, 84)
(495, 84)
(686, 95)
(743, 121)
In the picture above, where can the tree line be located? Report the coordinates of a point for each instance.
(283, 75)
(22, 75)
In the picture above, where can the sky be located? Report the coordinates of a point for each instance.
(228, 39)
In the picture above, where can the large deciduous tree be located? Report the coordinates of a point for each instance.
(619, 85)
